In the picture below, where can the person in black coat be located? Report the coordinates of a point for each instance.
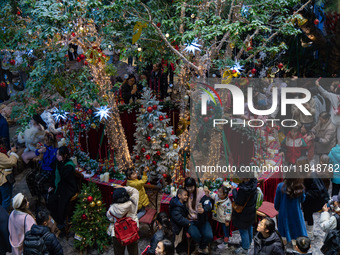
(179, 212)
(5, 246)
(129, 89)
(245, 195)
(268, 240)
(52, 244)
(158, 81)
(65, 186)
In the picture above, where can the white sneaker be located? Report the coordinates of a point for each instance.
(222, 246)
(219, 240)
(310, 232)
(240, 250)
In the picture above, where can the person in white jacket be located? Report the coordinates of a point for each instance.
(335, 107)
(125, 204)
(328, 222)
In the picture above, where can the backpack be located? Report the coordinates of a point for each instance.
(126, 231)
(331, 244)
(35, 245)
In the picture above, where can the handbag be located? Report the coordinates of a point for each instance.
(10, 178)
(239, 208)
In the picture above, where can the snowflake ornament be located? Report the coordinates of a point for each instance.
(192, 47)
(59, 114)
(263, 55)
(130, 69)
(237, 67)
(103, 112)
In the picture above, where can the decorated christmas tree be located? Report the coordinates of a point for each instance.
(89, 221)
(156, 143)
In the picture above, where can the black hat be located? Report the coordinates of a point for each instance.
(120, 195)
(39, 120)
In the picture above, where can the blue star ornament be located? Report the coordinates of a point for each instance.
(237, 67)
(192, 47)
(59, 114)
(103, 112)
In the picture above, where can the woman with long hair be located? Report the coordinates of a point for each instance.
(268, 240)
(165, 247)
(288, 199)
(199, 228)
(20, 221)
(129, 89)
(124, 204)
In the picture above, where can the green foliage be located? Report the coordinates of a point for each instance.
(92, 230)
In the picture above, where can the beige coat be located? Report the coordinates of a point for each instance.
(327, 135)
(302, 118)
(120, 210)
(6, 165)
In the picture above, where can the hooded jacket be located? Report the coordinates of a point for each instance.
(293, 147)
(271, 245)
(241, 194)
(52, 244)
(178, 215)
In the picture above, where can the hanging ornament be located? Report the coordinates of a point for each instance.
(86, 63)
(161, 117)
(153, 140)
(92, 204)
(78, 59)
(18, 12)
(12, 62)
(93, 126)
(149, 109)
(172, 167)
(83, 126)
(165, 176)
(150, 125)
(232, 45)
(137, 157)
(154, 162)
(99, 203)
(253, 71)
(73, 34)
(166, 145)
(249, 48)
(82, 56)
(166, 116)
(159, 24)
(148, 138)
(142, 150)
(164, 135)
(83, 217)
(175, 146)
(158, 153)
(172, 132)
(142, 110)
(176, 140)
(154, 107)
(316, 21)
(280, 66)
(147, 156)
(89, 199)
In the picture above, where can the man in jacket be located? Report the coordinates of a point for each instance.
(42, 230)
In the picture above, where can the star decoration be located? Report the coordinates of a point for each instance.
(237, 67)
(103, 112)
(59, 114)
(192, 47)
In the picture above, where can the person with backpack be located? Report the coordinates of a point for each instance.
(64, 188)
(124, 221)
(20, 221)
(268, 240)
(40, 240)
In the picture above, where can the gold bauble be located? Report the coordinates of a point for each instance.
(164, 135)
(172, 167)
(93, 126)
(232, 45)
(92, 204)
(175, 146)
(99, 203)
(142, 110)
(153, 140)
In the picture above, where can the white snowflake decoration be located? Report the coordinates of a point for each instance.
(263, 55)
(130, 69)
(237, 67)
(103, 112)
(192, 47)
(59, 114)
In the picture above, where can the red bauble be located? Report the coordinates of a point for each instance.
(3, 84)
(89, 199)
(73, 34)
(166, 145)
(84, 217)
(206, 119)
(149, 109)
(137, 157)
(75, 118)
(12, 62)
(89, 111)
(280, 66)
(150, 125)
(66, 56)
(316, 21)
(78, 59)
(158, 153)
(104, 56)
(82, 56)
(83, 126)
(86, 63)
(176, 141)
(148, 138)
(161, 118)
(249, 48)
(147, 156)
(154, 162)
(158, 24)
(18, 13)
(233, 71)
(142, 150)
(165, 175)
(253, 71)
(154, 107)
(166, 116)
(172, 132)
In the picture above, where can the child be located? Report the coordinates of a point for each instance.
(179, 213)
(163, 232)
(267, 240)
(301, 247)
(293, 145)
(222, 211)
(133, 181)
(165, 247)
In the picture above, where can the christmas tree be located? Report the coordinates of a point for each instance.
(156, 143)
(89, 221)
